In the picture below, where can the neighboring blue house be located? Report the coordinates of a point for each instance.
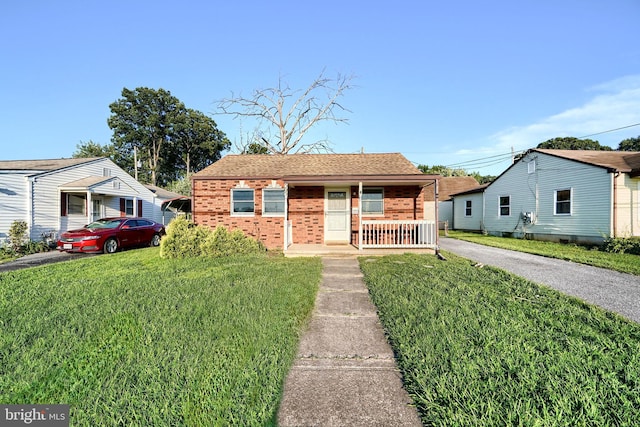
(560, 195)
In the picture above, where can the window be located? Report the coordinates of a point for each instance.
(467, 208)
(242, 202)
(128, 207)
(531, 166)
(273, 201)
(562, 205)
(505, 205)
(76, 204)
(372, 201)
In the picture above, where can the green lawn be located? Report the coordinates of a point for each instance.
(133, 339)
(481, 347)
(625, 263)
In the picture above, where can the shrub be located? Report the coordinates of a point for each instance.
(185, 239)
(18, 235)
(622, 245)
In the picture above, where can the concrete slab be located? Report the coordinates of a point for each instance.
(347, 303)
(345, 337)
(346, 397)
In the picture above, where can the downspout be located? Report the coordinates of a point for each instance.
(286, 218)
(614, 207)
(30, 201)
(435, 191)
(360, 216)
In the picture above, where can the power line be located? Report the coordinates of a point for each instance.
(610, 130)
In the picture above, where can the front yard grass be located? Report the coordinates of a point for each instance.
(625, 263)
(133, 339)
(479, 346)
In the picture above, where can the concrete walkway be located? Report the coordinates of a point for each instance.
(345, 373)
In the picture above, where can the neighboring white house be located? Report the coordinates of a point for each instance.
(447, 186)
(53, 196)
(467, 209)
(561, 195)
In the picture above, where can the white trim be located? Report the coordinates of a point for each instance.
(241, 188)
(555, 202)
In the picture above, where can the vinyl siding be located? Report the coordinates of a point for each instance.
(42, 211)
(460, 220)
(627, 206)
(591, 188)
(13, 201)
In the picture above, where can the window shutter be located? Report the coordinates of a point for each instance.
(139, 207)
(63, 204)
(123, 208)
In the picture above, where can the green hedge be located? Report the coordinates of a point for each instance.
(622, 245)
(185, 239)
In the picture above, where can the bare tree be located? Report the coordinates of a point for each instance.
(291, 113)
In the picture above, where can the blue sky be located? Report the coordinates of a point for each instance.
(441, 82)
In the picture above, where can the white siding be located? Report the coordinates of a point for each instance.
(627, 206)
(13, 201)
(591, 188)
(42, 211)
(463, 222)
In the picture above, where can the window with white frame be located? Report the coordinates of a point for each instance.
(128, 207)
(505, 205)
(562, 205)
(76, 204)
(467, 207)
(273, 202)
(531, 166)
(242, 201)
(372, 201)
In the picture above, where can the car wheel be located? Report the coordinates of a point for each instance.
(110, 246)
(155, 240)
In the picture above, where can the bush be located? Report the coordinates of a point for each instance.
(185, 239)
(18, 235)
(622, 245)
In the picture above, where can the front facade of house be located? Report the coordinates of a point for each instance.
(318, 199)
(53, 196)
(562, 195)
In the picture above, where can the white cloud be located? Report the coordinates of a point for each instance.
(615, 104)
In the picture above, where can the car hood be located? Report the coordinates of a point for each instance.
(85, 232)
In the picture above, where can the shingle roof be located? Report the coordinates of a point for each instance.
(309, 165)
(619, 161)
(42, 165)
(455, 184)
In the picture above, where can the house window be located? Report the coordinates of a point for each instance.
(126, 207)
(76, 204)
(467, 208)
(242, 202)
(273, 201)
(531, 166)
(505, 205)
(372, 201)
(562, 204)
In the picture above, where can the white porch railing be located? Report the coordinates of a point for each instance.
(398, 234)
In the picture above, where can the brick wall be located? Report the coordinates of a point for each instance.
(212, 206)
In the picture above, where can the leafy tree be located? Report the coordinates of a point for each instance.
(290, 113)
(572, 143)
(446, 171)
(630, 144)
(169, 139)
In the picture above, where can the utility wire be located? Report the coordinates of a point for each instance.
(610, 130)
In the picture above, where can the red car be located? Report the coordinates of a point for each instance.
(110, 234)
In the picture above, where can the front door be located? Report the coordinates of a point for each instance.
(337, 215)
(96, 209)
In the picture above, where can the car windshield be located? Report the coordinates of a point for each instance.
(104, 223)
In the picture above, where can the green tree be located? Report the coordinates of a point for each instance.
(630, 144)
(573, 143)
(168, 139)
(446, 171)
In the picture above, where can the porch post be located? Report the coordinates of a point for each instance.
(286, 217)
(89, 208)
(360, 216)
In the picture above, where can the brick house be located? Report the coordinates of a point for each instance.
(363, 200)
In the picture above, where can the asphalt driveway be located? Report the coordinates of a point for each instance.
(39, 259)
(613, 291)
